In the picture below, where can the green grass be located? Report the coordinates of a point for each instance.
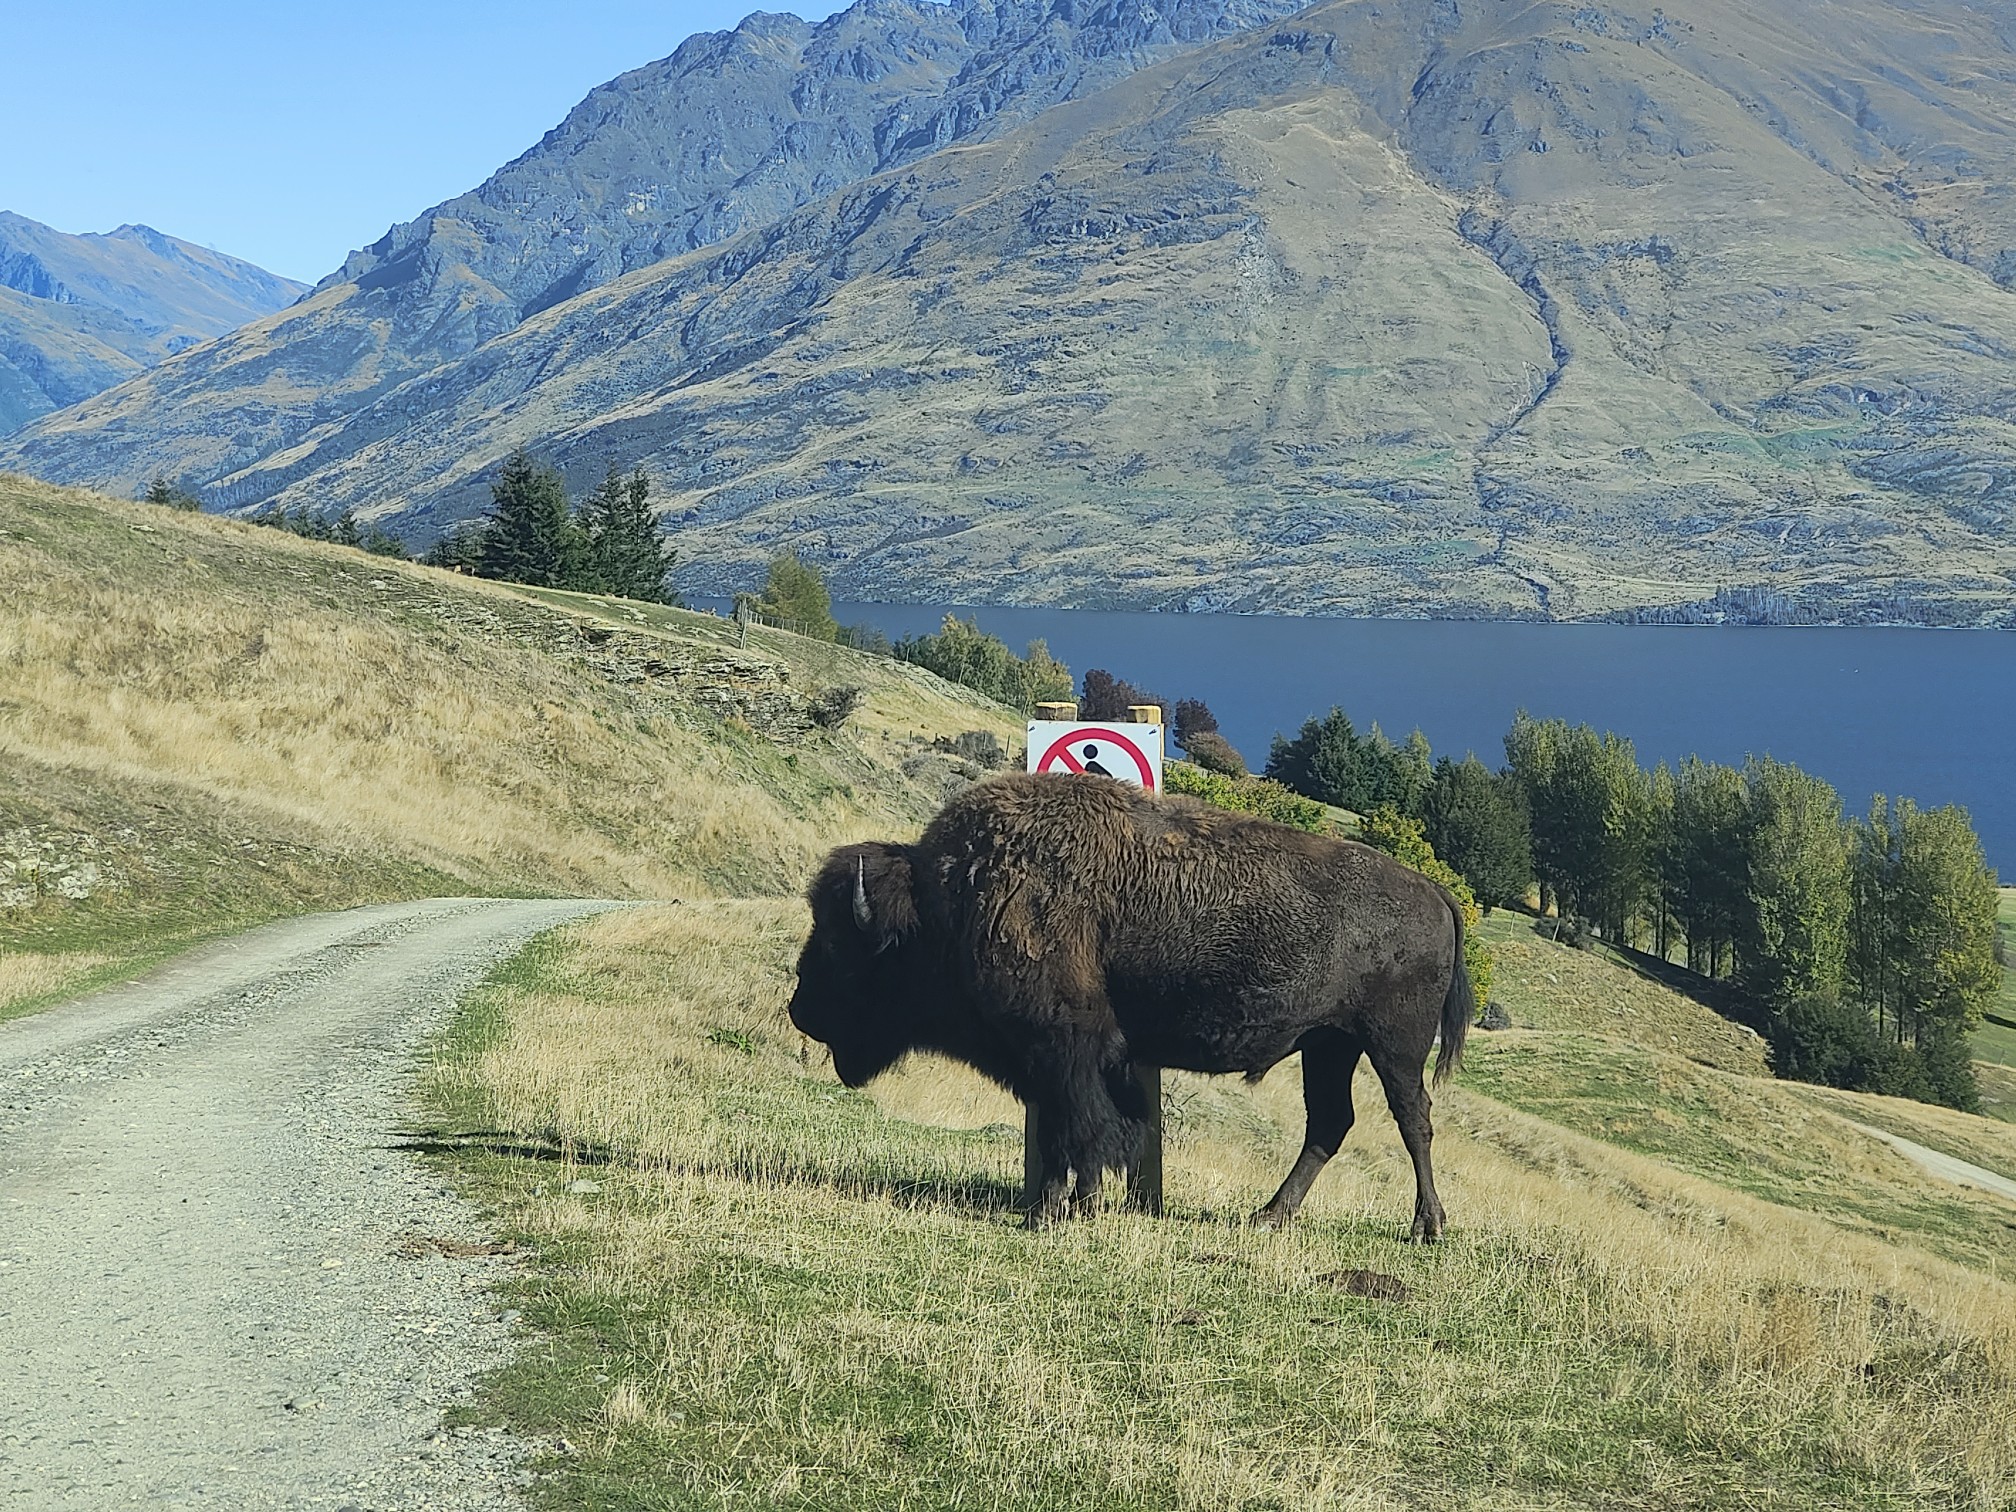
(1546, 985)
(781, 1293)
(1752, 1134)
(1997, 1042)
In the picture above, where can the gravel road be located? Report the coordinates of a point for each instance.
(220, 1282)
(1945, 1167)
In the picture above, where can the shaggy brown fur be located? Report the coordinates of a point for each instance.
(1051, 930)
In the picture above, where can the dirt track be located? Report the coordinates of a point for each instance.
(217, 1282)
(1945, 1167)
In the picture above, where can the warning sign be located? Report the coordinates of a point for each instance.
(1129, 752)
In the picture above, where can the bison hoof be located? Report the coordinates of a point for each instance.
(1427, 1229)
(1271, 1217)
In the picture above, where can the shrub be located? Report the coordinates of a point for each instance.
(1247, 795)
(1214, 753)
(963, 653)
(831, 708)
(982, 748)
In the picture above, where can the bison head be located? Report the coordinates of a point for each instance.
(852, 990)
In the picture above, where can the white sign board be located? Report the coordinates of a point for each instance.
(1130, 752)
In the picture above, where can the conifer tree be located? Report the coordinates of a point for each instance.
(1332, 763)
(1474, 820)
(626, 550)
(531, 536)
(165, 491)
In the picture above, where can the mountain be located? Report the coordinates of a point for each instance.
(81, 313)
(731, 131)
(1422, 306)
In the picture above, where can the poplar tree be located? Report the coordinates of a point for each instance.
(1591, 811)
(1795, 925)
(1921, 951)
(1704, 867)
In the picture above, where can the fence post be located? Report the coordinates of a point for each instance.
(1144, 1176)
(1049, 711)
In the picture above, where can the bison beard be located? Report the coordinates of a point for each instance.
(1051, 931)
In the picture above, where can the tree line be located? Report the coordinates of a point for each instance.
(610, 542)
(1865, 946)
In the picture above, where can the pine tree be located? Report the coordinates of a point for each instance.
(1332, 763)
(531, 536)
(165, 491)
(1476, 822)
(626, 551)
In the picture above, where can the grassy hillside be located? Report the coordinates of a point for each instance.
(1671, 1280)
(209, 723)
(1666, 1284)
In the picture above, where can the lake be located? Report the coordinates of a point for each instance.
(1926, 714)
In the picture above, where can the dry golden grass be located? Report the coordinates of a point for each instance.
(788, 1294)
(36, 974)
(436, 732)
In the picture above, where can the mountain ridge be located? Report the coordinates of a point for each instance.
(79, 313)
(1413, 308)
(755, 121)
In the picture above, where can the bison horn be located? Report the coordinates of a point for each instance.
(864, 916)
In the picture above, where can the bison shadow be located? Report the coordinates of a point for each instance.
(976, 1196)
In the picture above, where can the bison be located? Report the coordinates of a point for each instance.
(1051, 931)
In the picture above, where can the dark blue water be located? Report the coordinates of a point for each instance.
(1926, 714)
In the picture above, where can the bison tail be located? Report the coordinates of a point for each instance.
(1459, 1007)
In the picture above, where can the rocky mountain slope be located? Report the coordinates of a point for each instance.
(1418, 307)
(731, 131)
(81, 313)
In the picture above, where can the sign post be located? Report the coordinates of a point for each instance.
(1127, 751)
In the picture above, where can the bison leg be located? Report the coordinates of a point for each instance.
(1408, 1099)
(1081, 1130)
(1051, 1201)
(1328, 1064)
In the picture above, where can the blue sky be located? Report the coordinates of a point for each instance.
(287, 133)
